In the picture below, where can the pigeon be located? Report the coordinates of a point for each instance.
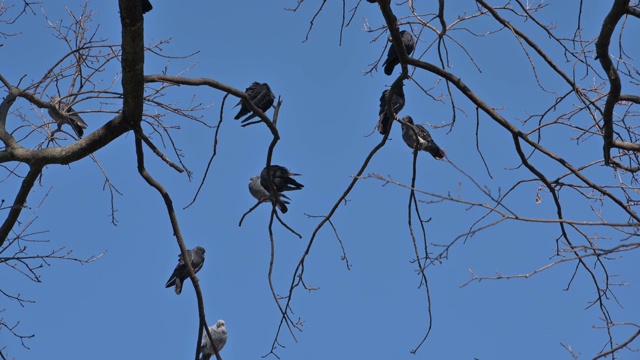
(70, 117)
(146, 6)
(260, 95)
(392, 56)
(372, 1)
(384, 123)
(181, 272)
(282, 179)
(425, 142)
(219, 335)
(261, 194)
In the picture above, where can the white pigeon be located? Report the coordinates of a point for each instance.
(219, 334)
(261, 194)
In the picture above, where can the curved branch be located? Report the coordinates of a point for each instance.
(19, 202)
(618, 10)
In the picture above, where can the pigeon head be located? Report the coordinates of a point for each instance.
(408, 119)
(200, 249)
(220, 324)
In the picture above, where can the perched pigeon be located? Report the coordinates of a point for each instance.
(425, 142)
(71, 116)
(260, 95)
(384, 123)
(392, 56)
(281, 177)
(181, 272)
(146, 6)
(261, 194)
(219, 335)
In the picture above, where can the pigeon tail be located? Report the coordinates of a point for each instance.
(384, 124)
(247, 118)
(281, 205)
(436, 152)
(77, 128)
(389, 66)
(292, 184)
(178, 286)
(241, 113)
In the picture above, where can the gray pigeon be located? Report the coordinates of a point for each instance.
(282, 179)
(181, 272)
(219, 335)
(425, 142)
(392, 56)
(384, 123)
(71, 116)
(260, 95)
(146, 6)
(262, 195)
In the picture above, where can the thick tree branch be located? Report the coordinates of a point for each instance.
(19, 202)
(618, 10)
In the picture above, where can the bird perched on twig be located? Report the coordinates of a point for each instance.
(260, 95)
(384, 123)
(392, 55)
(219, 335)
(423, 141)
(262, 195)
(70, 116)
(281, 177)
(181, 272)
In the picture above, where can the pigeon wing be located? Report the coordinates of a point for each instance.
(397, 101)
(429, 146)
(178, 272)
(262, 97)
(251, 92)
(391, 61)
(70, 117)
(197, 259)
(408, 42)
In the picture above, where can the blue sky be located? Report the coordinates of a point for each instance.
(117, 307)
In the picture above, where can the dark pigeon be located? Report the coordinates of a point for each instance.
(282, 179)
(392, 56)
(70, 117)
(384, 123)
(260, 95)
(219, 335)
(181, 272)
(262, 195)
(372, 1)
(146, 6)
(424, 140)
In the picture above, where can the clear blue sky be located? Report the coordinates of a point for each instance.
(117, 307)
